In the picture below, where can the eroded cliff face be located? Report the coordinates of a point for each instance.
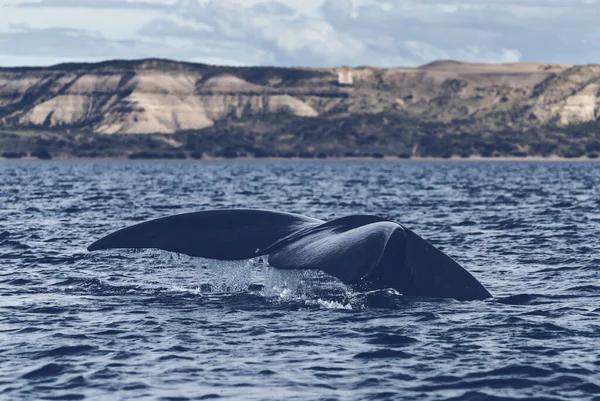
(157, 96)
(140, 97)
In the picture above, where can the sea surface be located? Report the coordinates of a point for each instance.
(129, 325)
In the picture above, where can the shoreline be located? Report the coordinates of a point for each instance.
(387, 159)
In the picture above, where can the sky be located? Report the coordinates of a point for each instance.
(308, 33)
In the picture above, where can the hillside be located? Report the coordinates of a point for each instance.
(172, 109)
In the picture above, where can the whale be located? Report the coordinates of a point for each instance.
(365, 252)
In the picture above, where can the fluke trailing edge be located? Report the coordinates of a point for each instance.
(367, 252)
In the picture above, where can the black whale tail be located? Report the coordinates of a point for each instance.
(356, 249)
(215, 234)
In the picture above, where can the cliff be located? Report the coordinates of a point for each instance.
(266, 110)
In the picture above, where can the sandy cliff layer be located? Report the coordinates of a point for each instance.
(156, 96)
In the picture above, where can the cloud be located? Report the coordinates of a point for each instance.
(477, 31)
(274, 8)
(63, 44)
(473, 54)
(306, 32)
(59, 42)
(102, 4)
(278, 34)
(161, 28)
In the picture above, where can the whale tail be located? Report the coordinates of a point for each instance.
(347, 248)
(215, 234)
(359, 250)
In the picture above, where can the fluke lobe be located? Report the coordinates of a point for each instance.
(367, 252)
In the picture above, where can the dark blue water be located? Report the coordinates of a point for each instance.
(152, 325)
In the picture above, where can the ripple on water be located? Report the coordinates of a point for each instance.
(151, 325)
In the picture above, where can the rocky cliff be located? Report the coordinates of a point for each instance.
(177, 101)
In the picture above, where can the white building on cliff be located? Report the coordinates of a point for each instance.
(345, 76)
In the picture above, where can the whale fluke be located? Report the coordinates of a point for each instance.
(214, 234)
(367, 252)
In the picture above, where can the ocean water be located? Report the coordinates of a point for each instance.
(127, 325)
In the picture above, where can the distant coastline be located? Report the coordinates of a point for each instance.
(165, 109)
(388, 159)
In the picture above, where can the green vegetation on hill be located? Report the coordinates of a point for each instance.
(290, 136)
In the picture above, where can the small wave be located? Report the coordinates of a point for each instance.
(20, 282)
(494, 383)
(383, 353)
(174, 357)
(58, 239)
(71, 336)
(47, 370)
(29, 329)
(109, 332)
(466, 223)
(71, 210)
(14, 244)
(49, 310)
(56, 260)
(513, 370)
(66, 351)
(482, 396)
(586, 288)
(166, 207)
(98, 198)
(98, 287)
(392, 340)
(69, 282)
(522, 299)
